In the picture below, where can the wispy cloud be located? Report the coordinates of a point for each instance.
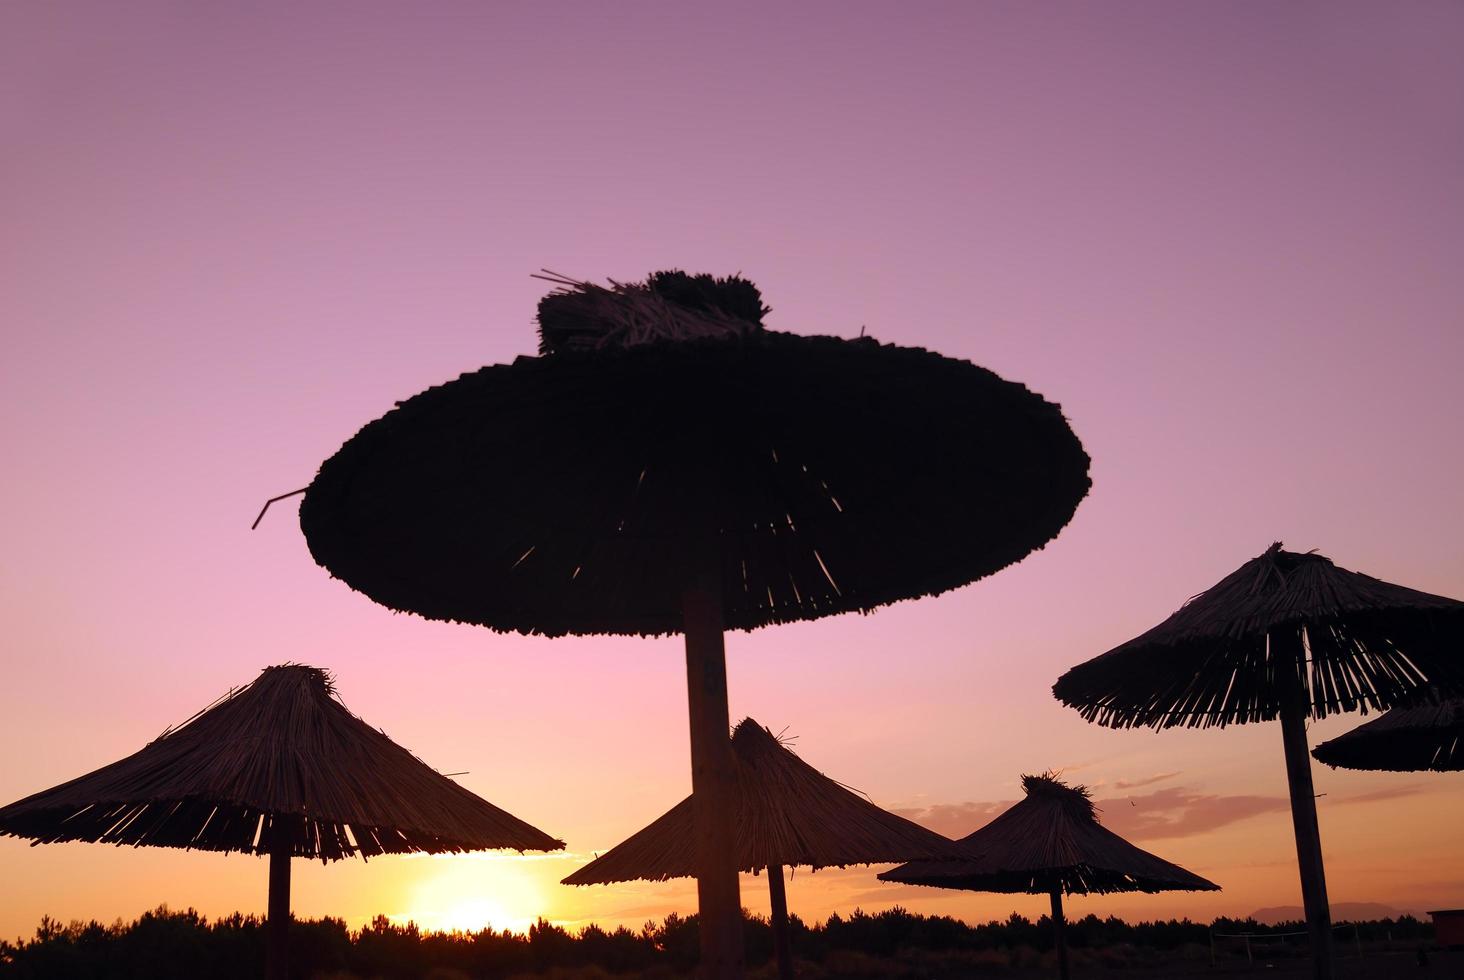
(509, 856)
(955, 819)
(1158, 777)
(1073, 767)
(1174, 811)
(1178, 811)
(1387, 793)
(900, 893)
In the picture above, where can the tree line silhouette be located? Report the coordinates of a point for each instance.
(164, 944)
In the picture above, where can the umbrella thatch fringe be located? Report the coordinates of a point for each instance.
(668, 307)
(1050, 840)
(279, 756)
(1236, 652)
(788, 813)
(1426, 734)
(765, 444)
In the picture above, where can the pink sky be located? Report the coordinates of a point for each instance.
(1224, 237)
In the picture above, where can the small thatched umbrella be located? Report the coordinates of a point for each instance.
(277, 767)
(785, 813)
(669, 466)
(1051, 843)
(1286, 636)
(1427, 734)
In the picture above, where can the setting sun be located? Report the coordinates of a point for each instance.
(470, 894)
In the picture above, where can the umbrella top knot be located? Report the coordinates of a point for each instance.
(1286, 560)
(298, 673)
(1273, 567)
(668, 307)
(1075, 800)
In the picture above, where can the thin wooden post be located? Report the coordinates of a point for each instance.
(1294, 712)
(1059, 933)
(713, 781)
(277, 925)
(782, 941)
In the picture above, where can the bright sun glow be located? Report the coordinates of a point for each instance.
(468, 896)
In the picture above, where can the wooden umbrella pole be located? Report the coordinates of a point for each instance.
(782, 945)
(1308, 836)
(277, 926)
(1059, 933)
(713, 780)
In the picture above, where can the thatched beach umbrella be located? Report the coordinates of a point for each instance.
(1427, 734)
(1051, 843)
(1286, 636)
(277, 767)
(669, 466)
(784, 813)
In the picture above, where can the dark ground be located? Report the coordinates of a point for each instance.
(1443, 965)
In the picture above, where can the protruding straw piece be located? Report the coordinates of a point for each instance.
(292, 493)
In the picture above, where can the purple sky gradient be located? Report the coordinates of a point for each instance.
(1225, 237)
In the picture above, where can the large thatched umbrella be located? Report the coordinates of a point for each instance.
(1286, 636)
(669, 466)
(1427, 734)
(277, 767)
(785, 813)
(1051, 843)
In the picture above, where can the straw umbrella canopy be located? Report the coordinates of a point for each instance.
(1425, 735)
(1286, 636)
(278, 767)
(667, 465)
(1051, 843)
(785, 813)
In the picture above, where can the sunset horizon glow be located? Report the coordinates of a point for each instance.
(1223, 237)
